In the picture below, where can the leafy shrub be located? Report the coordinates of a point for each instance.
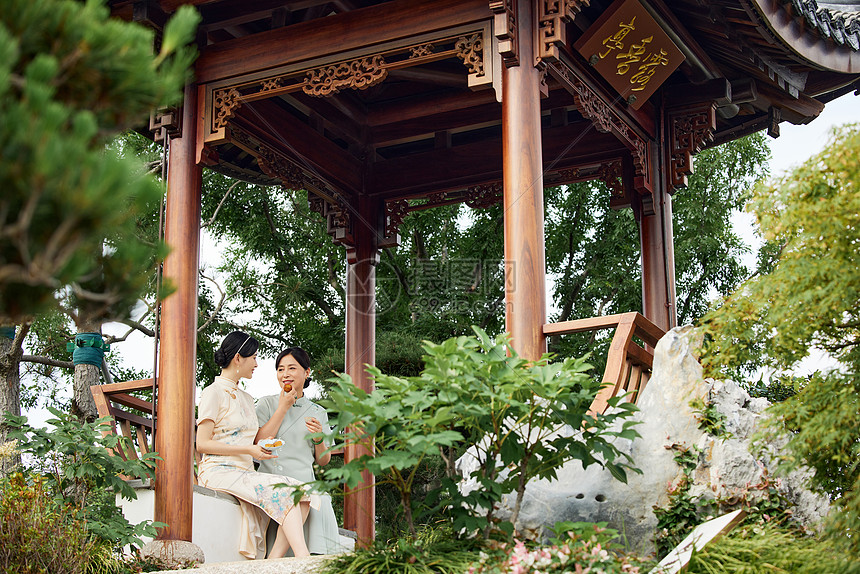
(823, 429)
(37, 535)
(477, 393)
(430, 552)
(762, 501)
(578, 547)
(710, 419)
(682, 514)
(79, 471)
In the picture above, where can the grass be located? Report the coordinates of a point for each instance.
(769, 549)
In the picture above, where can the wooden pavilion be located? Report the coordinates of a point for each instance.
(369, 104)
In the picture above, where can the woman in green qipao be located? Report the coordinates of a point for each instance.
(291, 417)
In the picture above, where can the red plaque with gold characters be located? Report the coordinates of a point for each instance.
(630, 50)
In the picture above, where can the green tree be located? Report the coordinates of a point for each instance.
(70, 78)
(476, 393)
(807, 296)
(593, 251)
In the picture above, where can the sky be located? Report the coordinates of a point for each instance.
(794, 145)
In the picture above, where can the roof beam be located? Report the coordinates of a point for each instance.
(400, 19)
(564, 146)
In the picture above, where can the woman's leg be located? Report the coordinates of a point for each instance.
(305, 507)
(291, 534)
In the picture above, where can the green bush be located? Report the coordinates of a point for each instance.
(475, 392)
(432, 551)
(577, 547)
(38, 536)
(80, 472)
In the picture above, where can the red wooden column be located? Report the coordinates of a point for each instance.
(658, 262)
(525, 291)
(359, 509)
(174, 438)
(656, 238)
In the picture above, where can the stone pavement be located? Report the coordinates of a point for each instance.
(311, 565)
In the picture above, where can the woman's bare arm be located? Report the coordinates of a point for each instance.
(208, 445)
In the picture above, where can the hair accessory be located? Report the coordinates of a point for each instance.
(243, 344)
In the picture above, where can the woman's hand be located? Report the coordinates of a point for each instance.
(287, 399)
(260, 453)
(313, 425)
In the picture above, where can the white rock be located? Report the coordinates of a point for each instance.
(725, 469)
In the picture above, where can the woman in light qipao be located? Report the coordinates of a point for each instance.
(227, 433)
(291, 417)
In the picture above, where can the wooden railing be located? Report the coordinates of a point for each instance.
(628, 365)
(139, 429)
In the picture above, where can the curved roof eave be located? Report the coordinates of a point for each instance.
(828, 38)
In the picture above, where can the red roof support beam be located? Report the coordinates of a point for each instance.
(332, 35)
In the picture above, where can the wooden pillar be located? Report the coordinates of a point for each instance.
(525, 291)
(177, 363)
(654, 213)
(359, 509)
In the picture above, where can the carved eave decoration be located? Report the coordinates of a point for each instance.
(279, 167)
(472, 45)
(690, 131)
(595, 108)
(553, 17)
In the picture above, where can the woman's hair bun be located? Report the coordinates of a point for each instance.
(235, 342)
(221, 358)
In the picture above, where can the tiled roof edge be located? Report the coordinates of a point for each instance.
(840, 26)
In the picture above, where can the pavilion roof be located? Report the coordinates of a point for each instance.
(431, 124)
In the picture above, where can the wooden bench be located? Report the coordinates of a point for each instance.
(628, 364)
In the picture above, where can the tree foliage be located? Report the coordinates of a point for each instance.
(518, 419)
(807, 295)
(592, 251)
(70, 78)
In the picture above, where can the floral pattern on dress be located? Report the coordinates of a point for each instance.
(232, 410)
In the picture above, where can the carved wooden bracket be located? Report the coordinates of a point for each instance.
(337, 216)
(470, 44)
(395, 211)
(610, 174)
(477, 196)
(689, 131)
(605, 119)
(166, 123)
(553, 17)
(470, 49)
(481, 196)
(505, 30)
